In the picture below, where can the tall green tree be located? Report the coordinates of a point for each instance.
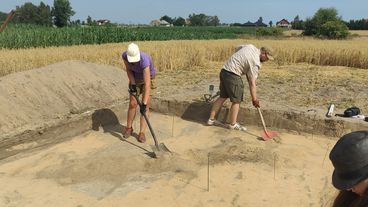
(323, 15)
(213, 21)
(62, 11)
(44, 16)
(197, 19)
(89, 20)
(326, 23)
(297, 23)
(203, 20)
(168, 19)
(270, 23)
(260, 20)
(361, 24)
(180, 21)
(26, 13)
(29, 13)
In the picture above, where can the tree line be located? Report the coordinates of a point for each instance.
(326, 23)
(361, 24)
(59, 14)
(193, 20)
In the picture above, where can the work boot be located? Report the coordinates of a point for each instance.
(141, 137)
(128, 132)
(237, 126)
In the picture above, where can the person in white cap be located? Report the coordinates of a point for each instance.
(247, 61)
(140, 71)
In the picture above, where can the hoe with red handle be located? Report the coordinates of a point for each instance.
(266, 135)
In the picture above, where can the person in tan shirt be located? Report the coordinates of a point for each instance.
(245, 61)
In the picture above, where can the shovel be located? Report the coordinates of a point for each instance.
(266, 135)
(158, 148)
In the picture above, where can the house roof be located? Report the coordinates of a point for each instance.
(248, 23)
(164, 22)
(283, 21)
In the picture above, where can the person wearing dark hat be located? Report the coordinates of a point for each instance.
(349, 157)
(246, 61)
(140, 71)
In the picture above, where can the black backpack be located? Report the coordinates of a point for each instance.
(352, 111)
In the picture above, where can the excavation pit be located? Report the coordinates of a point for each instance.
(62, 145)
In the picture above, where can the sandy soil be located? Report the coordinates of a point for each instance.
(103, 169)
(40, 97)
(46, 95)
(299, 86)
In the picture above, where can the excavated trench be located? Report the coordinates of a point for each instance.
(312, 122)
(80, 158)
(208, 166)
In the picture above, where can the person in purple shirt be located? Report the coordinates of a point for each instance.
(140, 71)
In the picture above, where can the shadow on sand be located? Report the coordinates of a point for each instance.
(109, 122)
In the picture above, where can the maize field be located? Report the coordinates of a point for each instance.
(28, 36)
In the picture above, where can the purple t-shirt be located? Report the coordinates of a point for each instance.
(137, 68)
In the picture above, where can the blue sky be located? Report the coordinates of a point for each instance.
(228, 11)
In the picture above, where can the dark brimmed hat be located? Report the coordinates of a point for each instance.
(349, 157)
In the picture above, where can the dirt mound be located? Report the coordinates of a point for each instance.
(35, 98)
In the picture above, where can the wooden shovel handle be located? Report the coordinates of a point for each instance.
(263, 122)
(146, 118)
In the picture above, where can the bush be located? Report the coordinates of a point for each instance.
(326, 24)
(269, 31)
(334, 30)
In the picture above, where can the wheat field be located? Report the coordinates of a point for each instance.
(193, 54)
(304, 72)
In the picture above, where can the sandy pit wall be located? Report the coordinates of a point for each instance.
(48, 105)
(299, 120)
(193, 111)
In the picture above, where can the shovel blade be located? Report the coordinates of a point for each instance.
(160, 150)
(266, 135)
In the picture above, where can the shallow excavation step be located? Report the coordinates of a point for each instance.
(198, 111)
(312, 122)
(62, 130)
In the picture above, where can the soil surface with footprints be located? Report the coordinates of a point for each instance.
(208, 166)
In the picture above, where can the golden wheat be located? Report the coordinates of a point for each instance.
(193, 54)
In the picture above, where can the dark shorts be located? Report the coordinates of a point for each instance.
(140, 85)
(231, 86)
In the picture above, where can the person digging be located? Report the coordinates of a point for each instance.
(246, 61)
(140, 70)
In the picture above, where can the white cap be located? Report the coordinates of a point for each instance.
(133, 53)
